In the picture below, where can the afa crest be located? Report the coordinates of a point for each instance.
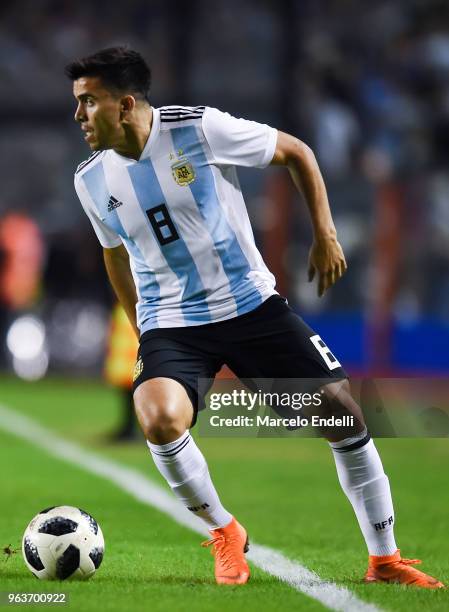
(138, 369)
(183, 172)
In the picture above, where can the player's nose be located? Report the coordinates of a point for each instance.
(79, 113)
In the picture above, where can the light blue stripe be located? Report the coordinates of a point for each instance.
(235, 264)
(149, 193)
(97, 187)
(148, 287)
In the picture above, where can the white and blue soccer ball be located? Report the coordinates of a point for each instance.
(63, 543)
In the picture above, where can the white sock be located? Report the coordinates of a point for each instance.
(183, 466)
(362, 478)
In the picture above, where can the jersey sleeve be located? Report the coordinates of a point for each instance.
(107, 237)
(238, 142)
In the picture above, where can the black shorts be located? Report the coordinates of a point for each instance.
(270, 342)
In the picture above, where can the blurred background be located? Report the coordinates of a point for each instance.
(366, 85)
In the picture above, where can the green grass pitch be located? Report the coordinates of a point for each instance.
(284, 491)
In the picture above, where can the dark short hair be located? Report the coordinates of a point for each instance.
(119, 68)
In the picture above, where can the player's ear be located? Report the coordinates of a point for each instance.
(127, 105)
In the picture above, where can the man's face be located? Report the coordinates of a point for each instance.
(98, 112)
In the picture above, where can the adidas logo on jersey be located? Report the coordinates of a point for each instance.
(113, 203)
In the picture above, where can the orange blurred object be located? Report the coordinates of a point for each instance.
(21, 241)
(122, 350)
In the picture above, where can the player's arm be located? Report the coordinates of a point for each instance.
(117, 266)
(115, 255)
(326, 256)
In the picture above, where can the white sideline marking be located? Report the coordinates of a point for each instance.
(141, 488)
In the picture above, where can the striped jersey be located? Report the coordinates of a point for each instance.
(180, 213)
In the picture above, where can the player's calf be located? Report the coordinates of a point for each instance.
(165, 413)
(367, 487)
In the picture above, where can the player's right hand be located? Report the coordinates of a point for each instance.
(326, 258)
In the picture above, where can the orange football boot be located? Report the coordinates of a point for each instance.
(392, 568)
(230, 544)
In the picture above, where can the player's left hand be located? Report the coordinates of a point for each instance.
(326, 259)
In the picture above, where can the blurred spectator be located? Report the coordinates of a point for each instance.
(366, 85)
(118, 370)
(23, 252)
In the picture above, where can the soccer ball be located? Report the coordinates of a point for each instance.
(63, 542)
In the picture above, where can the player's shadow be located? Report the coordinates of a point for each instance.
(166, 579)
(182, 580)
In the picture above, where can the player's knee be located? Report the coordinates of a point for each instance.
(339, 403)
(335, 393)
(160, 421)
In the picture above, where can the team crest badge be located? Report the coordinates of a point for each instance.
(183, 172)
(138, 369)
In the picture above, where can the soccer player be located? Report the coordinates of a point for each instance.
(162, 193)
